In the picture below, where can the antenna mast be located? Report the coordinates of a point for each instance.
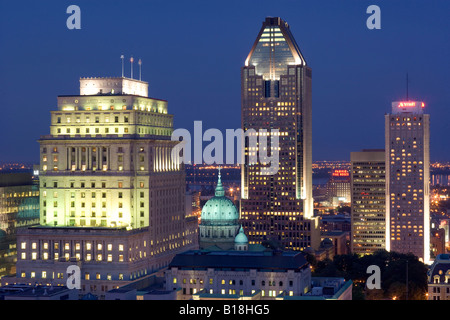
(407, 87)
(131, 60)
(122, 57)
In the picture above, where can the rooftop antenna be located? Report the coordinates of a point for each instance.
(131, 60)
(122, 57)
(140, 69)
(407, 84)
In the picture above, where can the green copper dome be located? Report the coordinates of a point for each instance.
(219, 210)
(241, 238)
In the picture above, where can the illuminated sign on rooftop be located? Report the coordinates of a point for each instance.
(407, 106)
(404, 104)
(340, 173)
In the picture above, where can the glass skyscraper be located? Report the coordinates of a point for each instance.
(276, 95)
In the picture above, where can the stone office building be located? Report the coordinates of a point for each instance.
(112, 201)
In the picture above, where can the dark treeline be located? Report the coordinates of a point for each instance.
(393, 268)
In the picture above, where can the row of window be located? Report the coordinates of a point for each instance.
(88, 246)
(94, 149)
(87, 275)
(93, 185)
(233, 282)
(88, 257)
(125, 119)
(95, 130)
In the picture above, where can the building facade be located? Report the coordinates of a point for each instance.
(19, 207)
(276, 95)
(439, 278)
(104, 151)
(239, 274)
(111, 199)
(407, 132)
(368, 185)
(338, 187)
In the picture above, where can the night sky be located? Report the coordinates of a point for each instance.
(192, 52)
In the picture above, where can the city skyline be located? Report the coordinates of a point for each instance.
(109, 205)
(334, 37)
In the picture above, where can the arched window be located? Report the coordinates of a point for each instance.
(436, 279)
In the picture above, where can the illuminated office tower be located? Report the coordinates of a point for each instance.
(368, 201)
(276, 95)
(106, 147)
(111, 199)
(338, 187)
(407, 131)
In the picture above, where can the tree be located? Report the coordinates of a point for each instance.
(393, 274)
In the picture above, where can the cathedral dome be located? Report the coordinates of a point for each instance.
(219, 223)
(219, 210)
(241, 238)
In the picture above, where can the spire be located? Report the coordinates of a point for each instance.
(220, 192)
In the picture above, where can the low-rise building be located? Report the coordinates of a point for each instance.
(239, 274)
(108, 258)
(340, 241)
(36, 292)
(325, 288)
(439, 278)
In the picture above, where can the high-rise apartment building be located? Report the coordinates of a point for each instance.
(112, 201)
(407, 131)
(276, 95)
(368, 201)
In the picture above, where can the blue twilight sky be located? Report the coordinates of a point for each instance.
(192, 52)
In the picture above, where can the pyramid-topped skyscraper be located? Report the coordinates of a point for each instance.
(276, 95)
